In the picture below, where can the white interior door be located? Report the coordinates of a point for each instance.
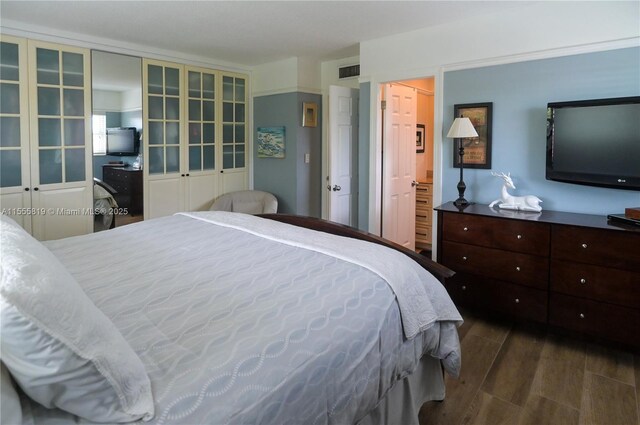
(399, 165)
(343, 137)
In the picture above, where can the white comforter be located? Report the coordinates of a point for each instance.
(265, 324)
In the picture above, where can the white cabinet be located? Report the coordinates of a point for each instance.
(195, 136)
(45, 153)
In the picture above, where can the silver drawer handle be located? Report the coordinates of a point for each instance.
(464, 258)
(519, 236)
(465, 229)
(584, 245)
(517, 300)
(517, 268)
(583, 280)
(581, 316)
(464, 288)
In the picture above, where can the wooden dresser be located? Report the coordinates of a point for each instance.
(128, 182)
(424, 215)
(572, 271)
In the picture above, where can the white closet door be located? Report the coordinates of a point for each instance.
(234, 172)
(162, 138)
(15, 184)
(202, 143)
(60, 139)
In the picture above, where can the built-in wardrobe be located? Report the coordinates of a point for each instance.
(194, 138)
(45, 141)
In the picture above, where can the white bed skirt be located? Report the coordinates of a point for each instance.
(402, 403)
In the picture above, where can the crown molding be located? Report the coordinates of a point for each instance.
(546, 54)
(34, 32)
(296, 89)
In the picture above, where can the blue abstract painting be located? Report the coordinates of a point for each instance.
(270, 142)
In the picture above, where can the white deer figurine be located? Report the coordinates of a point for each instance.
(524, 203)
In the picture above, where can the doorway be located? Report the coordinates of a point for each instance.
(410, 225)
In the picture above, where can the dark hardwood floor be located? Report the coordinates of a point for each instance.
(521, 376)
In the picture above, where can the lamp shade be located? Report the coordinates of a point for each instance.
(462, 127)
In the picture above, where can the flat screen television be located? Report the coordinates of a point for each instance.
(595, 142)
(122, 141)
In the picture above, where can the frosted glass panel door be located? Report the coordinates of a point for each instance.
(61, 116)
(15, 190)
(234, 132)
(201, 174)
(233, 122)
(163, 95)
(60, 113)
(163, 114)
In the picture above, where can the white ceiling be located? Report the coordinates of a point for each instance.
(244, 32)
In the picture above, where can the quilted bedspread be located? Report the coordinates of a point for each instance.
(234, 326)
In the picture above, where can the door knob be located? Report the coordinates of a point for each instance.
(414, 183)
(336, 188)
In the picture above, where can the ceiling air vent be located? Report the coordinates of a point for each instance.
(349, 71)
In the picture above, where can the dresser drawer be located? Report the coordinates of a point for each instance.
(512, 235)
(608, 248)
(497, 296)
(524, 269)
(593, 318)
(115, 174)
(597, 283)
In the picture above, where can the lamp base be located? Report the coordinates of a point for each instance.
(461, 202)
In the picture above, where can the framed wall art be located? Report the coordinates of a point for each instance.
(271, 142)
(420, 137)
(477, 150)
(309, 114)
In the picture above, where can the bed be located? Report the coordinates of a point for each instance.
(244, 319)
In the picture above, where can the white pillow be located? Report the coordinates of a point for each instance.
(10, 410)
(60, 348)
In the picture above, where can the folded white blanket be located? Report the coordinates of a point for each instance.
(421, 297)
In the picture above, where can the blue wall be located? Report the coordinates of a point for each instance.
(520, 93)
(296, 185)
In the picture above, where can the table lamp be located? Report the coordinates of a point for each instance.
(461, 128)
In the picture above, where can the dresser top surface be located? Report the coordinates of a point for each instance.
(121, 168)
(545, 216)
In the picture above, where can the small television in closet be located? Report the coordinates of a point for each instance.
(122, 141)
(595, 142)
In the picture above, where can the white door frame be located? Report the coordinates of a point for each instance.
(375, 153)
